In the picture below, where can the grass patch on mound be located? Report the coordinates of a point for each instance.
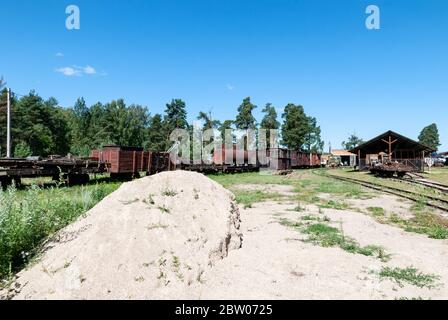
(28, 217)
(411, 276)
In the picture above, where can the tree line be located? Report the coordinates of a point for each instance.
(42, 127)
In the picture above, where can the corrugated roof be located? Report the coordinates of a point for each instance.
(342, 153)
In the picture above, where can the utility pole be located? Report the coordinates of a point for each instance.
(8, 123)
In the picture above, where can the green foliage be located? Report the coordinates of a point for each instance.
(313, 141)
(28, 217)
(429, 136)
(22, 150)
(226, 125)
(423, 222)
(39, 123)
(175, 116)
(245, 119)
(411, 276)
(41, 127)
(327, 236)
(156, 137)
(352, 142)
(209, 123)
(295, 127)
(270, 118)
(248, 197)
(113, 123)
(376, 211)
(269, 122)
(2, 83)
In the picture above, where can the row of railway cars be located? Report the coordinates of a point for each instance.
(129, 162)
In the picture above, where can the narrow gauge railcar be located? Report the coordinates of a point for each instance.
(301, 159)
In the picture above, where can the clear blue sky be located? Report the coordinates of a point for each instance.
(213, 53)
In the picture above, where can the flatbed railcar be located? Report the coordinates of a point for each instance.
(71, 170)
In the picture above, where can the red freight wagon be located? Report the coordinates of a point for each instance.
(130, 161)
(279, 158)
(219, 156)
(301, 159)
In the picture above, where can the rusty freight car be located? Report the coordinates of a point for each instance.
(129, 162)
(301, 159)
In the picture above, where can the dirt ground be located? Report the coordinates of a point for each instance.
(275, 264)
(274, 261)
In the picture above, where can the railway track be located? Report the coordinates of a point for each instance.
(429, 184)
(430, 201)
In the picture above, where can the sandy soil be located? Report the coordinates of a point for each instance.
(151, 239)
(391, 204)
(123, 260)
(275, 264)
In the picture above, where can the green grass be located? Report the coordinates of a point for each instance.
(164, 209)
(307, 185)
(423, 222)
(169, 193)
(327, 236)
(376, 211)
(248, 197)
(229, 180)
(411, 276)
(439, 174)
(324, 235)
(333, 204)
(28, 217)
(421, 190)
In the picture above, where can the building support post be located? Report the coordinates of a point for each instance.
(359, 160)
(390, 143)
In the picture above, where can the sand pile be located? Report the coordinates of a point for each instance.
(151, 239)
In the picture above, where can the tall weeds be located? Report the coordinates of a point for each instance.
(28, 217)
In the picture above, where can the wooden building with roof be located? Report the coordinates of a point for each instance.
(392, 147)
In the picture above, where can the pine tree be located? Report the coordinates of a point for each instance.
(313, 141)
(269, 122)
(175, 118)
(245, 119)
(175, 115)
(226, 125)
(209, 123)
(295, 127)
(429, 137)
(352, 142)
(156, 138)
(80, 124)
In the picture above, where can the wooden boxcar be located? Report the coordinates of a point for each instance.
(128, 162)
(301, 159)
(279, 158)
(226, 156)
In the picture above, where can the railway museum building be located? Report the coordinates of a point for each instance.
(392, 147)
